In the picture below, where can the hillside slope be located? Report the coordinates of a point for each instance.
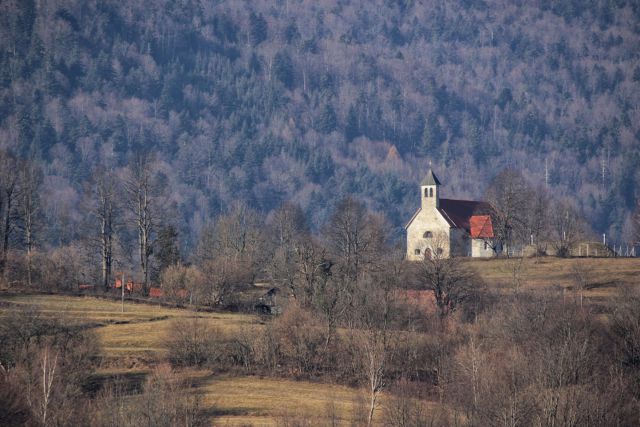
(270, 101)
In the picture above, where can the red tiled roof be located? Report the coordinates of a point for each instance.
(459, 212)
(481, 227)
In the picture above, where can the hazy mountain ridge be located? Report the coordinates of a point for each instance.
(265, 102)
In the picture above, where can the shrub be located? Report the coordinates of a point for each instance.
(191, 342)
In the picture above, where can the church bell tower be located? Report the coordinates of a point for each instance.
(430, 191)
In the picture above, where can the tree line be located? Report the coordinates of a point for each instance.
(128, 223)
(525, 215)
(244, 100)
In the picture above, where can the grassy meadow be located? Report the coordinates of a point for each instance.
(607, 276)
(132, 342)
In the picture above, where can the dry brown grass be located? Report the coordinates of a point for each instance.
(133, 341)
(608, 275)
(138, 332)
(259, 401)
(272, 401)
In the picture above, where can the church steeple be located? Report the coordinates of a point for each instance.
(430, 191)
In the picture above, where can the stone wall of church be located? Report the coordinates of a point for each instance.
(417, 244)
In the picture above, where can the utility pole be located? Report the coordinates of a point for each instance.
(122, 288)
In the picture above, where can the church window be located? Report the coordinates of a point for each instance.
(485, 246)
(417, 252)
(439, 251)
(426, 193)
(431, 192)
(427, 235)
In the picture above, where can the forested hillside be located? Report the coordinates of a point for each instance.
(308, 101)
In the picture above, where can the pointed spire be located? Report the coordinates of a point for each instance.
(430, 179)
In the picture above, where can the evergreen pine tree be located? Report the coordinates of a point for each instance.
(283, 69)
(168, 250)
(351, 130)
(257, 29)
(327, 121)
(254, 64)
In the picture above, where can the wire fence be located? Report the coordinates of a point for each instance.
(626, 250)
(590, 249)
(598, 249)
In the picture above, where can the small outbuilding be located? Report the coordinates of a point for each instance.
(267, 303)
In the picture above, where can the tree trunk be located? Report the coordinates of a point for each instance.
(372, 407)
(144, 255)
(6, 230)
(105, 274)
(29, 239)
(108, 255)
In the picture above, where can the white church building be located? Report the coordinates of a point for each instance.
(447, 227)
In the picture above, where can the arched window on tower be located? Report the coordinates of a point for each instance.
(427, 235)
(426, 193)
(431, 192)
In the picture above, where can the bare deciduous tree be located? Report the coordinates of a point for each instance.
(356, 237)
(625, 332)
(329, 299)
(403, 409)
(9, 197)
(636, 224)
(288, 223)
(143, 203)
(231, 253)
(509, 195)
(239, 236)
(451, 282)
(582, 274)
(105, 210)
(225, 277)
(375, 307)
(516, 268)
(312, 269)
(538, 220)
(471, 367)
(567, 228)
(48, 367)
(30, 181)
(289, 234)
(375, 353)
